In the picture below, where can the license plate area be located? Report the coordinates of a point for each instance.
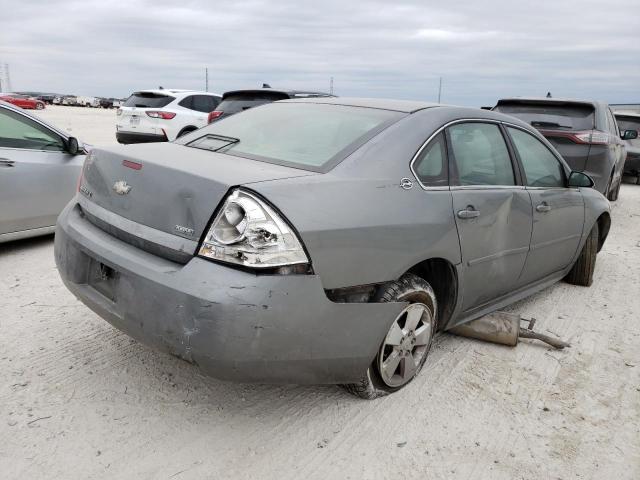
(103, 279)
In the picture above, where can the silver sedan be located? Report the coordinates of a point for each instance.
(39, 170)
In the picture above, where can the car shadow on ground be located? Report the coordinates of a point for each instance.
(15, 246)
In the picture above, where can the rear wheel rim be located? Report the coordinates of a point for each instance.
(406, 345)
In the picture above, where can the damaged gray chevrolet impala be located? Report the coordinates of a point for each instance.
(325, 240)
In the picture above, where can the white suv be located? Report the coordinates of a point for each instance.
(163, 115)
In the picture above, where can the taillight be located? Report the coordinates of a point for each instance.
(160, 114)
(215, 114)
(592, 137)
(586, 137)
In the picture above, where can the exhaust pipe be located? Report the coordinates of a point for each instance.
(506, 329)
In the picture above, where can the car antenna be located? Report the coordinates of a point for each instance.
(266, 85)
(548, 94)
(160, 87)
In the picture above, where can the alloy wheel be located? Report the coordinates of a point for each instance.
(406, 345)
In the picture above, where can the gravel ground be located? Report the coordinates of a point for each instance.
(80, 400)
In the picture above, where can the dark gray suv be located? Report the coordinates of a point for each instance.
(583, 131)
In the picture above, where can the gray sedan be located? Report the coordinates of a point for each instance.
(326, 240)
(39, 170)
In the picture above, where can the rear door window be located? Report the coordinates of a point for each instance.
(480, 154)
(148, 100)
(204, 103)
(554, 116)
(430, 166)
(541, 167)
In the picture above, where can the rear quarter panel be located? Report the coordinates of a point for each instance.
(357, 223)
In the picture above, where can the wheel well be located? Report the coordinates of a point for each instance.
(604, 223)
(186, 130)
(442, 277)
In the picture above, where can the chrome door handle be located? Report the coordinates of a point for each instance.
(543, 207)
(5, 162)
(469, 212)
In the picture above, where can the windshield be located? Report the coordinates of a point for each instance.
(551, 115)
(310, 136)
(148, 100)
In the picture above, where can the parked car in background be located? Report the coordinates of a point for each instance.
(163, 115)
(583, 131)
(22, 101)
(39, 170)
(84, 101)
(69, 100)
(46, 98)
(325, 240)
(238, 100)
(631, 121)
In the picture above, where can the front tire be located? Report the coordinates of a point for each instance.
(39, 106)
(406, 346)
(582, 271)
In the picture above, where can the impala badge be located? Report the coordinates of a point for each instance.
(121, 187)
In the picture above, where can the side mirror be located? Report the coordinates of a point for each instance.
(629, 135)
(579, 179)
(72, 146)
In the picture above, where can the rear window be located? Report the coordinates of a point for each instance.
(242, 101)
(148, 100)
(310, 136)
(551, 116)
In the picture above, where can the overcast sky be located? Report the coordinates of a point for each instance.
(483, 49)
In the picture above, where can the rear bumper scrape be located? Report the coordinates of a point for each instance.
(235, 325)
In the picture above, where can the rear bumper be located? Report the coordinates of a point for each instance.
(233, 324)
(136, 137)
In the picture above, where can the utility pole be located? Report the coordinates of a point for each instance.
(440, 90)
(5, 79)
(331, 86)
(206, 79)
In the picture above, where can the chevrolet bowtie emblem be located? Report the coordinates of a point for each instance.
(121, 187)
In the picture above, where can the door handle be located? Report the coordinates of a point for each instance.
(543, 207)
(469, 212)
(5, 162)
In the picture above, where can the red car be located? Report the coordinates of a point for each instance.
(23, 101)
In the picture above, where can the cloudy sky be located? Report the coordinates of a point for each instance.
(483, 50)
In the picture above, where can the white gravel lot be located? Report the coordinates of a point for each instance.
(80, 400)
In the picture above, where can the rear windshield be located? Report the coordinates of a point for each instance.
(310, 136)
(628, 123)
(551, 116)
(242, 101)
(148, 100)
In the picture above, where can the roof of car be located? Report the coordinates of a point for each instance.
(166, 91)
(406, 106)
(548, 100)
(291, 93)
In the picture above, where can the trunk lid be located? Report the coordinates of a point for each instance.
(168, 187)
